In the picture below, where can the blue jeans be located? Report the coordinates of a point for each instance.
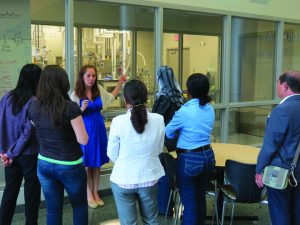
(54, 178)
(192, 172)
(126, 204)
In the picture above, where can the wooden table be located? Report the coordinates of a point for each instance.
(237, 152)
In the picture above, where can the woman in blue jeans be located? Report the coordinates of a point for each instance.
(60, 130)
(193, 122)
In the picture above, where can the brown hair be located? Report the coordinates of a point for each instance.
(80, 87)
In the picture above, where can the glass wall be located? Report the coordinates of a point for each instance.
(118, 39)
(191, 44)
(48, 32)
(247, 124)
(48, 45)
(291, 47)
(171, 52)
(201, 53)
(109, 50)
(252, 60)
(145, 70)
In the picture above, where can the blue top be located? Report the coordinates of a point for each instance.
(17, 134)
(194, 123)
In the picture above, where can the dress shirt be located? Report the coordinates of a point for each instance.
(283, 100)
(193, 123)
(135, 156)
(17, 134)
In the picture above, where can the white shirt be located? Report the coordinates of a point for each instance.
(283, 100)
(106, 97)
(136, 155)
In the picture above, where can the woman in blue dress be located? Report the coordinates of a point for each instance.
(90, 98)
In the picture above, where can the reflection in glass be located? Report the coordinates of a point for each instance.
(247, 125)
(291, 47)
(252, 60)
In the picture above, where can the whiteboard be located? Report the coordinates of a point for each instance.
(15, 41)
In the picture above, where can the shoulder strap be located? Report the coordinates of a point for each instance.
(294, 163)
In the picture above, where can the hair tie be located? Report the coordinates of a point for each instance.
(137, 105)
(138, 102)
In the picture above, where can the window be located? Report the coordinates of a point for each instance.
(252, 60)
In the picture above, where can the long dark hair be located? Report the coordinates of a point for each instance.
(198, 87)
(26, 86)
(52, 92)
(135, 93)
(80, 87)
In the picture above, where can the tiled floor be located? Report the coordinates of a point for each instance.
(107, 215)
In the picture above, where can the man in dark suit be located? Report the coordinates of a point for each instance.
(279, 147)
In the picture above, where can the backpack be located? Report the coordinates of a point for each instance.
(167, 109)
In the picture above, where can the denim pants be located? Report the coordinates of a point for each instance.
(192, 172)
(54, 178)
(22, 166)
(126, 200)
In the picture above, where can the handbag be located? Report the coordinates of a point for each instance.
(278, 177)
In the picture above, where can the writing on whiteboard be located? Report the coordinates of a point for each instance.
(14, 39)
(11, 15)
(5, 82)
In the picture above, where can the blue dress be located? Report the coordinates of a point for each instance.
(95, 152)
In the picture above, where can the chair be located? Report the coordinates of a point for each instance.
(166, 184)
(212, 190)
(241, 188)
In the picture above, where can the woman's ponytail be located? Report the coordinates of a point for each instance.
(135, 93)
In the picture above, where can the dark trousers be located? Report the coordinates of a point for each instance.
(22, 166)
(284, 206)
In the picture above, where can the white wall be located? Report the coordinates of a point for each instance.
(275, 8)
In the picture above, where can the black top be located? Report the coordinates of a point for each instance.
(56, 143)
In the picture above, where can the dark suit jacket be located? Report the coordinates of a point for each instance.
(282, 136)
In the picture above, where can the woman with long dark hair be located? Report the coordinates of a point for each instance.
(19, 147)
(195, 159)
(135, 141)
(60, 130)
(92, 99)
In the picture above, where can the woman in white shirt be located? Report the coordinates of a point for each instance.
(135, 141)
